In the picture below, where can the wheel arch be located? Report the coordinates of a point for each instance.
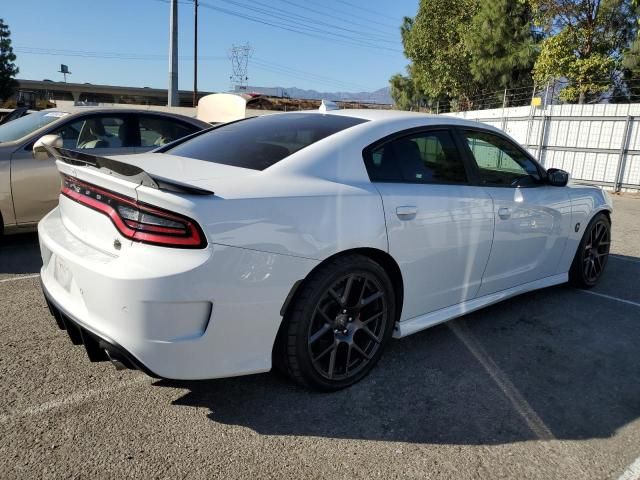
(382, 258)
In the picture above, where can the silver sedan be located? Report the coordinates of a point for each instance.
(29, 187)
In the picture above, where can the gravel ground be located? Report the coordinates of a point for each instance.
(546, 385)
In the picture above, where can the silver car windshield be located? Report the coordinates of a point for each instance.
(16, 129)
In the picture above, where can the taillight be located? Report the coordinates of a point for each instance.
(134, 220)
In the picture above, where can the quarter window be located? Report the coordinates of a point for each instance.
(500, 162)
(425, 157)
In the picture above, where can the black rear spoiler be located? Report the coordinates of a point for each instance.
(123, 170)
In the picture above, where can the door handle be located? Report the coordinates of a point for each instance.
(406, 211)
(504, 213)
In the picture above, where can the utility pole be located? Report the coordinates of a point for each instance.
(195, 53)
(173, 55)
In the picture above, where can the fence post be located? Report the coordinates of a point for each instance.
(541, 143)
(622, 158)
(531, 116)
(504, 104)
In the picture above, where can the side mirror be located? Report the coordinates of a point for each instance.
(557, 177)
(40, 151)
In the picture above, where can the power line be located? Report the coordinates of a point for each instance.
(351, 14)
(283, 23)
(285, 15)
(107, 55)
(310, 32)
(292, 73)
(364, 9)
(262, 64)
(350, 19)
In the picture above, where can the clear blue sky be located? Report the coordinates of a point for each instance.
(134, 35)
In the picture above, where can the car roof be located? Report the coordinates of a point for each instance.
(78, 109)
(399, 116)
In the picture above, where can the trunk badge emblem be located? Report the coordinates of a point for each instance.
(116, 244)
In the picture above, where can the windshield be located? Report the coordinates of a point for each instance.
(260, 142)
(16, 129)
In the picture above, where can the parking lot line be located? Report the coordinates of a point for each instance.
(528, 414)
(632, 472)
(72, 399)
(22, 277)
(602, 295)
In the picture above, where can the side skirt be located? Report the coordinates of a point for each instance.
(413, 325)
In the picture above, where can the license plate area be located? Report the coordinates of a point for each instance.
(62, 274)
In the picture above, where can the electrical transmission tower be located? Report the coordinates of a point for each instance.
(239, 56)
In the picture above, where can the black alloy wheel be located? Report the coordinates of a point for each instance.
(339, 323)
(347, 326)
(592, 254)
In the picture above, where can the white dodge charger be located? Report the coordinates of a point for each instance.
(307, 241)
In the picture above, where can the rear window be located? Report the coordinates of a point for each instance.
(260, 142)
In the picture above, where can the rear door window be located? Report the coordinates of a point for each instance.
(423, 157)
(261, 142)
(156, 131)
(97, 132)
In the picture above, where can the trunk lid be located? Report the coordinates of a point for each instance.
(170, 183)
(182, 169)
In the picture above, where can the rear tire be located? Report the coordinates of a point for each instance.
(592, 254)
(338, 324)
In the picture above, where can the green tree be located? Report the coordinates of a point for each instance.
(434, 41)
(628, 88)
(502, 44)
(403, 92)
(8, 69)
(585, 43)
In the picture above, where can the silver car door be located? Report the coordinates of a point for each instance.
(532, 218)
(439, 226)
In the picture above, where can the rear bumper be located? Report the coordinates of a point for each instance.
(99, 348)
(178, 314)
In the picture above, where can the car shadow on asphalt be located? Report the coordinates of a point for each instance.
(556, 363)
(20, 254)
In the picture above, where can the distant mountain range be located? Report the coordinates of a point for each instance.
(379, 96)
(382, 95)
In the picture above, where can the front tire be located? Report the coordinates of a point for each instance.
(339, 323)
(592, 254)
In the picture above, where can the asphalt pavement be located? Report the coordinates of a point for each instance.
(544, 386)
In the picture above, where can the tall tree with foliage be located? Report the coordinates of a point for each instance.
(628, 88)
(434, 41)
(502, 43)
(8, 69)
(585, 43)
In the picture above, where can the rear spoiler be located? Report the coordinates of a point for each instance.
(122, 170)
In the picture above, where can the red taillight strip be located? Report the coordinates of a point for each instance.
(155, 235)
